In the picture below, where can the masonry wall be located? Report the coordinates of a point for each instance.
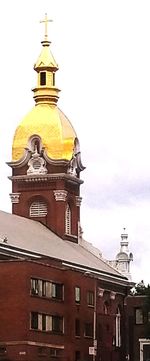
(135, 330)
(19, 342)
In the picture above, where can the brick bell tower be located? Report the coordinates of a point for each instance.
(46, 159)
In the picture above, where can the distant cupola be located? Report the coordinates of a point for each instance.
(124, 257)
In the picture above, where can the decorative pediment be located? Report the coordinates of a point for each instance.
(37, 164)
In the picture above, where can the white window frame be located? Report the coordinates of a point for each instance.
(77, 294)
(68, 219)
(118, 328)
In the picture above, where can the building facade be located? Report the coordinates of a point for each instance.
(59, 300)
(138, 318)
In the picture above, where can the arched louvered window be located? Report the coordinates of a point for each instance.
(118, 328)
(68, 220)
(38, 209)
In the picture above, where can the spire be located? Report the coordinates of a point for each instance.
(124, 257)
(46, 21)
(46, 92)
(124, 241)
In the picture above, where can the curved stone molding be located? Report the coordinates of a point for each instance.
(60, 195)
(14, 197)
(78, 201)
(112, 295)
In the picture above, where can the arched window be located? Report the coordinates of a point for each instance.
(68, 220)
(118, 328)
(38, 209)
(34, 143)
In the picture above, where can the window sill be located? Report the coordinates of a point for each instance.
(88, 336)
(48, 332)
(53, 299)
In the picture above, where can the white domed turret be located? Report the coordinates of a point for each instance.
(124, 257)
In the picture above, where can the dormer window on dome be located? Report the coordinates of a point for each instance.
(34, 143)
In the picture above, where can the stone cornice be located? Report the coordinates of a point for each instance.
(44, 178)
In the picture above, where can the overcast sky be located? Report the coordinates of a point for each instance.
(103, 52)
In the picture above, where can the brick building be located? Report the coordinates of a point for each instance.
(58, 298)
(137, 319)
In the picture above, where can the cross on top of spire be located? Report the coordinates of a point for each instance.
(46, 21)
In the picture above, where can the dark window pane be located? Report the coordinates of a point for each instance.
(43, 322)
(77, 356)
(55, 352)
(57, 291)
(90, 298)
(57, 324)
(34, 320)
(88, 331)
(43, 78)
(77, 327)
(53, 79)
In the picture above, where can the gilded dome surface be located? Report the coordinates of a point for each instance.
(53, 127)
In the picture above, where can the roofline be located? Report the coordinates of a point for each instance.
(104, 275)
(122, 280)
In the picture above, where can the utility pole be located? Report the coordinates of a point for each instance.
(94, 321)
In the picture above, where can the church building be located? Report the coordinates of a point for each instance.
(59, 299)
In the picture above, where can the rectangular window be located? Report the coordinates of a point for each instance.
(34, 320)
(34, 287)
(88, 329)
(77, 356)
(77, 327)
(57, 324)
(42, 351)
(90, 298)
(139, 316)
(57, 291)
(43, 288)
(47, 323)
(55, 352)
(53, 79)
(43, 78)
(77, 294)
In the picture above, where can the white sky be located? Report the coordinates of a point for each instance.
(103, 52)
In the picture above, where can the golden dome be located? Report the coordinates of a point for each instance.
(53, 127)
(45, 120)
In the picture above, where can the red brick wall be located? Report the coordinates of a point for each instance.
(17, 303)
